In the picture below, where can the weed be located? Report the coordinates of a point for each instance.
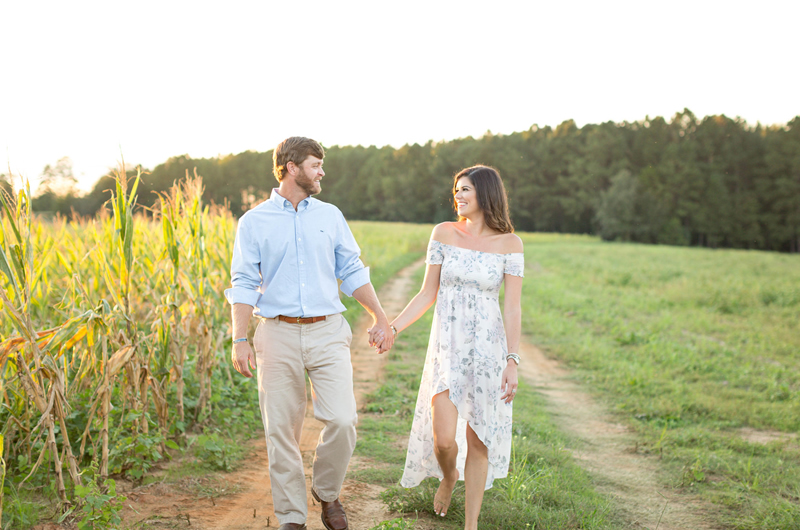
(20, 509)
(215, 452)
(395, 524)
(99, 503)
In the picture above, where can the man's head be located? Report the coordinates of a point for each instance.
(295, 150)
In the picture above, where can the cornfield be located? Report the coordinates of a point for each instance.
(104, 324)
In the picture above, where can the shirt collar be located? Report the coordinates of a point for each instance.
(284, 204)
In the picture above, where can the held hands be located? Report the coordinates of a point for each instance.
(381, 336)
(242, 355)
(510, 382)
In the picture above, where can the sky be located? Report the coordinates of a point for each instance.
(97, 81)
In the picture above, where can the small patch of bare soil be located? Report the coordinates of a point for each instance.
(607, 452)
(765, 437)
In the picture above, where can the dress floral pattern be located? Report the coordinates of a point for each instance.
(466, 354)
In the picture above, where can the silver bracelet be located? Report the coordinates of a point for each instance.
(514, 357)
(240, 340)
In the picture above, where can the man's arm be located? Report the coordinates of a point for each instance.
(380, 334)
(243, 295)
(355, 282)
(242, 352)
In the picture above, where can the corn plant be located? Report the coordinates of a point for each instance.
(190, 302)
(36, 357)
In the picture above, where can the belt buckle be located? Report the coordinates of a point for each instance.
(298, 320)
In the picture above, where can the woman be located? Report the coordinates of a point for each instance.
(462, 422)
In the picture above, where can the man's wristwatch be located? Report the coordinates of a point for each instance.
(243, 339)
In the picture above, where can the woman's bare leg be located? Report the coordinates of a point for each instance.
(445, 421)
(475, 470)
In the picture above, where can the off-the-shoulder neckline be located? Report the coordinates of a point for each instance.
(481, 251)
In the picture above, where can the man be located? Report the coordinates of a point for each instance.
(288, 254)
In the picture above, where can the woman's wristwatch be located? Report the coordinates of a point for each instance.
(394, 330)
(514, 357)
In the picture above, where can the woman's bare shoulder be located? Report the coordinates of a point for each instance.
(444, 232)
(511, 244)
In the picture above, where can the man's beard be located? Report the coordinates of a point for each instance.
(306, 183)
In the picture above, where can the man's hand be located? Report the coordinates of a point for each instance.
(381, 336)
(242, 356)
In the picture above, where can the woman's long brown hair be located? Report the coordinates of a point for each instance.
(492, 198)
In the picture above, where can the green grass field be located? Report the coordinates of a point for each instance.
(691, 346)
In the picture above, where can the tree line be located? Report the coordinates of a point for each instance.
(715, 181)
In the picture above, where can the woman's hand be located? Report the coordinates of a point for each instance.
(510, 382)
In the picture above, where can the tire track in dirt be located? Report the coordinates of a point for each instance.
(607, 452)
(162, 505)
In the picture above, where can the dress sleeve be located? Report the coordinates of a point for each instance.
(515, 264)
(435, 253)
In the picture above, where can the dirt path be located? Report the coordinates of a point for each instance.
(607, 451)
(242, 500)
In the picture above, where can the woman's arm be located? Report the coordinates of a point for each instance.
(512, 312)
(423, 299)
(512, 318)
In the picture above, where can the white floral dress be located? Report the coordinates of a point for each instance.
(466, 354)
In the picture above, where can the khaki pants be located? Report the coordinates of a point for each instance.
(284, 354)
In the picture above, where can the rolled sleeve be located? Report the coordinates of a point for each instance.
(354, 281)
(349, 267)
(240, 295)
(245, 268)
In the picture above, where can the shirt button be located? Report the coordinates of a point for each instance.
(303, 284)
(299, 239)
(301, 263)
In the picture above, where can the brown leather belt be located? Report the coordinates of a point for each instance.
(300, 320)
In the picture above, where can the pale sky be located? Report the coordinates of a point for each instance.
(152, 80)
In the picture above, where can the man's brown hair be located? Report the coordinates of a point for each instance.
(295, 149)
(492, 198)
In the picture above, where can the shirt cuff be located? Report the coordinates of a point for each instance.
(240, 295)
(355, 280)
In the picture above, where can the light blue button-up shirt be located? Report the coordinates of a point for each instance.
(286, 262)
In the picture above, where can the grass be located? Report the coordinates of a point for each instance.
(689, 346)
(545, 488)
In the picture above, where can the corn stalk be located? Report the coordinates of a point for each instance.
(37, 369)
(196, 285)
(2, 473)
(173, 334)
(117, 272)
(184, 228)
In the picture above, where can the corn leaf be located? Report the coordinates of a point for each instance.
(5, 268)
(11, 219)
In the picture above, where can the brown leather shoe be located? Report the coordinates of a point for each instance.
(292, 526)
(333, 516)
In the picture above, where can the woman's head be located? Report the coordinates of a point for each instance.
(490, 195)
